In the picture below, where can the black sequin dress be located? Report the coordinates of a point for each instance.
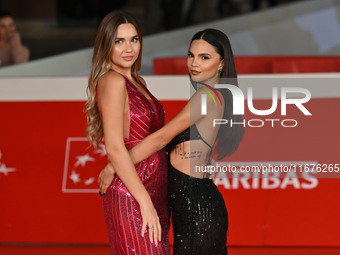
(199, 215)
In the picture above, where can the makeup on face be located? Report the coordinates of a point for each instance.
(126, 47)
(203, 61)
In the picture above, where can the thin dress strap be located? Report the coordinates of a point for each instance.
(197, 135)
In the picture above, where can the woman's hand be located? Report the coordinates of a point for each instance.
(151, 221)
(105, 178)
(148, 211)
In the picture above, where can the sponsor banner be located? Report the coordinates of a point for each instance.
(48, 174)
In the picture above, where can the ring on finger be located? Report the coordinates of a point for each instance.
(151, 227)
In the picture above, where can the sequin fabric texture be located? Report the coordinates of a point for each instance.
(199, 215)
(121, 210)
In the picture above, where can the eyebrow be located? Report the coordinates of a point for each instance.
(201, 54)
(121, 38)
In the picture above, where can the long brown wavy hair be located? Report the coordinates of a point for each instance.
(101, 64)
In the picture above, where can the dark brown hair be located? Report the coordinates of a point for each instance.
(228, 138)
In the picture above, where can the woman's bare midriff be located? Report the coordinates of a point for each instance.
(190, 156)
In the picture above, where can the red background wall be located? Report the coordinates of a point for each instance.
(34, 208)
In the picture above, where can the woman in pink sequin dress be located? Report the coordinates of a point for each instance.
(122, 110)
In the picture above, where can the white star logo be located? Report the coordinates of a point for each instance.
(101, 150)
(74, 177)
(89, 181)
(81, 160)
(5, 170)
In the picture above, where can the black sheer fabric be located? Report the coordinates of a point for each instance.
(191, 133)
(199, 215)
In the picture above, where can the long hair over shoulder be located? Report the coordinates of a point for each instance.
(228, 137)
(101, 64)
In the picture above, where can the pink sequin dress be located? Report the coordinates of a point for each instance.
(121, 210)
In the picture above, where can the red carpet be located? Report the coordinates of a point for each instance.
(104, 250)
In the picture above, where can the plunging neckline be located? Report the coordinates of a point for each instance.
(150, 100)
(145, 89)
(140, 83)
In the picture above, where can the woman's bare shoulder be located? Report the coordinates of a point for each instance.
(113, 78)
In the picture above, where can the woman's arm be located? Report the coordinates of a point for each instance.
(111, 102)
(160, 138)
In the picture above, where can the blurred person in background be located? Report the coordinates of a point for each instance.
(11, 49)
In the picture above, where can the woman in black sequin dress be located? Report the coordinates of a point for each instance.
(199, 215)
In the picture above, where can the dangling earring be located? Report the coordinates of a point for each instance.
(220, 70)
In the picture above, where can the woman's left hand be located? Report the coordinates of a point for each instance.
(105, 178)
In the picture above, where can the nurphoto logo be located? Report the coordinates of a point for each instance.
(238, 105)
